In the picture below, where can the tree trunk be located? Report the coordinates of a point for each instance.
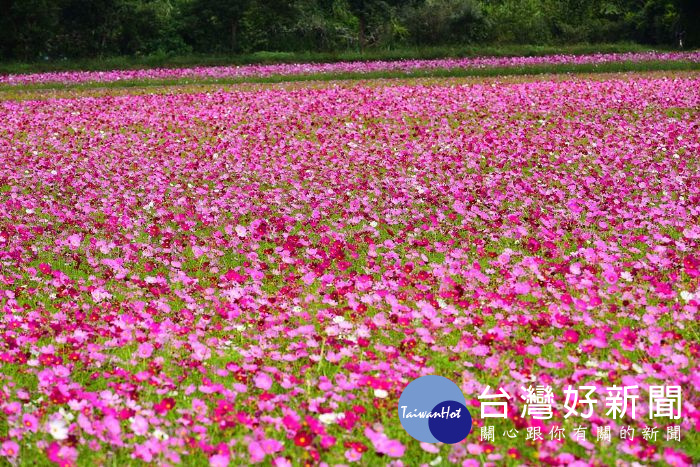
(361, 33)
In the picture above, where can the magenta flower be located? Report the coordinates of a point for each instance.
(61, 455)
(571, 336)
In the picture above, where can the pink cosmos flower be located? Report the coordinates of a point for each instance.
(74, 241)
(9, 449)
(200, 352)
(353, 456)
(219, 460)
(241, 231)
(271, 446)
(610, 277)
(263, 381)
(257, 453)
(145, 350)
(139, 425)
(30, 422)
(429, 447)
(392, 448)
(281, 462)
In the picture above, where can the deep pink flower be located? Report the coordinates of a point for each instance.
(571, 336)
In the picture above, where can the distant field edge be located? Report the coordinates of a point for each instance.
(266, 58)
(610, 67)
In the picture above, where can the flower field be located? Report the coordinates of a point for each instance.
(320, 69)
(252, 274)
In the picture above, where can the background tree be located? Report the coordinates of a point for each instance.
(27, 28)
(212, 25)
(54, 29)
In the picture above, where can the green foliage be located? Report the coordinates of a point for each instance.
(265, 25)
(36, 30)
(26, 28)
(445, 22)
(519, 21)
(323, 26)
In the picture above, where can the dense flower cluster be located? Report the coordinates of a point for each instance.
(254, 275)
(72, 77)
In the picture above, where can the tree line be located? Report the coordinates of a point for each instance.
(67, 29)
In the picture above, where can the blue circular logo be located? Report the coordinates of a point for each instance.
(433, 409)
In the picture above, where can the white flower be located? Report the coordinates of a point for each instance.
(240, 231)
(58, 429)
(66, 415)
(687, 296)
(436, 461)
(297, 309)
(159, 434)
(380, 393)
(626, 276)
(328, 418)
(338, 319)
